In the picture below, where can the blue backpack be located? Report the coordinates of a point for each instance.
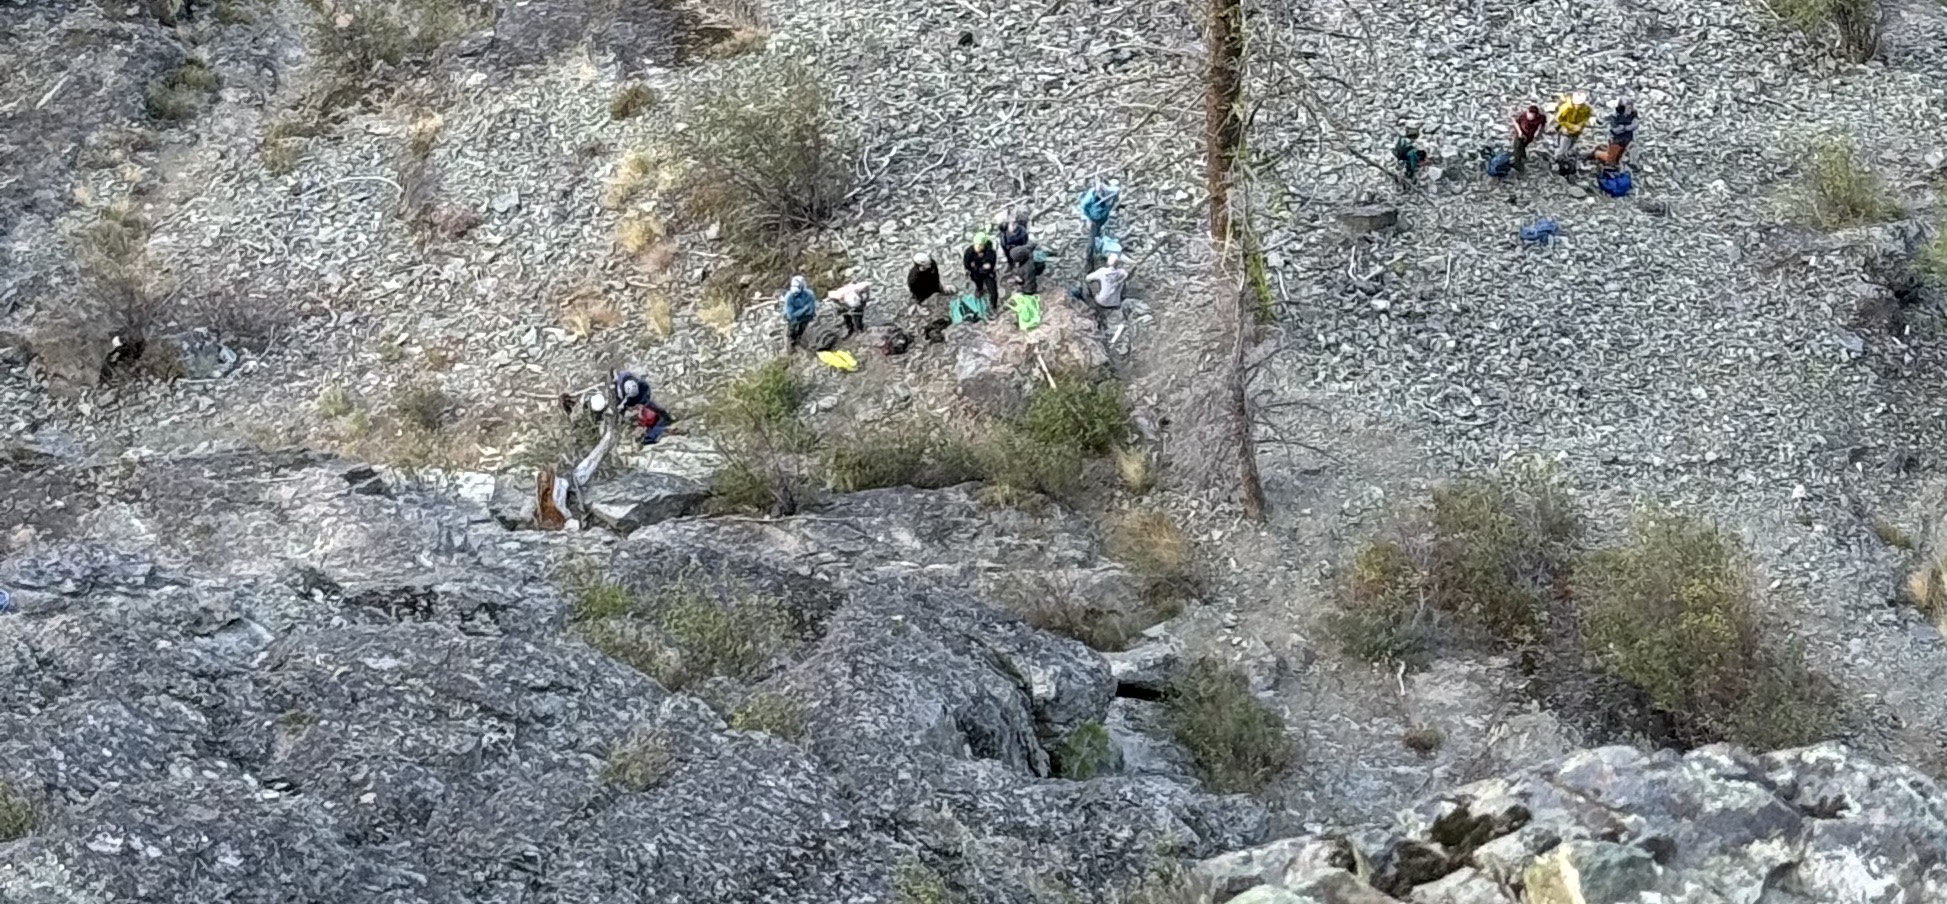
(1500, 165)
(1539, 233)
(967, 309)
(1615, 183)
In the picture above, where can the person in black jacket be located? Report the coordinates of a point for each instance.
(981, 262)
(1015, 244)
(923, 279)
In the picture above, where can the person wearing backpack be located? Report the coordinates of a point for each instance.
(980, 262)
(1109, 281)
(1527, 127)
(1622, 127)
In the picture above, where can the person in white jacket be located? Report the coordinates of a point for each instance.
(1108, 280)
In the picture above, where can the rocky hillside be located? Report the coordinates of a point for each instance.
(290, 288)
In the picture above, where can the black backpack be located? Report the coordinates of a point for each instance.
(895, 341)
(936, 330)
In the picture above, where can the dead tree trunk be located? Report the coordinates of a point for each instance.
(1223, 132)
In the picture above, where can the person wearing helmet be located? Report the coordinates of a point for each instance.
(923, 279)
(1016, 246)
(1409, 154)
(800, 306)
(1527, 127)
(1572, 115)
(632, 392)
(980, 262)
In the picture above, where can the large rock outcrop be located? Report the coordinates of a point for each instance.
(1615, 825)
(240, 678)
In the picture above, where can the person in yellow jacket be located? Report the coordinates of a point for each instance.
(1572, 115)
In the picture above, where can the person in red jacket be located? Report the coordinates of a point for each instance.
(1527, 127)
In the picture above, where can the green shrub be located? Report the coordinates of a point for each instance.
(1425, 740)
(877, 458)
(1238, 743)
(593, 595)
(1054, 606)
(1077, 413)
(1086, 753)
(1674, 612)
(769, 155)
(1383, 617)
(770, 712)
(336, 401)
(1841, 191)
(18, 817)
(422, 406)
(179, 94)
(641, 762)
(1852, 26)
(761, 436)
(679, 634)
(1018, 466)
(1931, 263)
(1487, 557)
(360, 37)
(768, 395)
(914, 882)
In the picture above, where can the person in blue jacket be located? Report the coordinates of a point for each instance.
(800, 306)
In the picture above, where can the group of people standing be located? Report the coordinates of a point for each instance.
(1017, 261)
(1572, 116)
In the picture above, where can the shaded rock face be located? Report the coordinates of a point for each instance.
(1617, 825)
(251, 682)
(996, 365)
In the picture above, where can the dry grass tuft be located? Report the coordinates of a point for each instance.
(423, 134)
(656, 314)
(1841, 191)
(640, 763)
(1157, 551)
(181, 93)
(631, 176)
(586, 310)
(638, 234)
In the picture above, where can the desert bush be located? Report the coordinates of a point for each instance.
(1017, 467)
(679, 634)
(641, 762)
(1055, 606)
(1840, 190)
(1926, 584)
(423, 134)
(1930, 264)
(594, 595)
(359, 38)
(1486, 558)
(1156, 550)
(899, 454)
(421, 406)
(631, 100)
(770, 712)
(728, 28)
(18, 817)
(1852, 26)
(179, 94)
(280, 156)
(763, 439)
(914, 882)
(1383, 615)
(124, 296)
(887, 457)
(1238, 743)
(769, 165)
(250, 322)
(1076, 412)
(336, 401)
(1674, 612)
(1086, 753)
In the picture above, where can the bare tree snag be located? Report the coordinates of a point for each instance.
(1223, 132)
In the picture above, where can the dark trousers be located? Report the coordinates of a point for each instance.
(854, 322)
(986, 288)
(797, 329)
(1521, 152)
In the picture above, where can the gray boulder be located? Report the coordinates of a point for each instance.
(629, 501)
(1369, 218)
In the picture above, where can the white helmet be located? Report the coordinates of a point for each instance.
(1579, 97)
(597, 403)
(922, 258)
